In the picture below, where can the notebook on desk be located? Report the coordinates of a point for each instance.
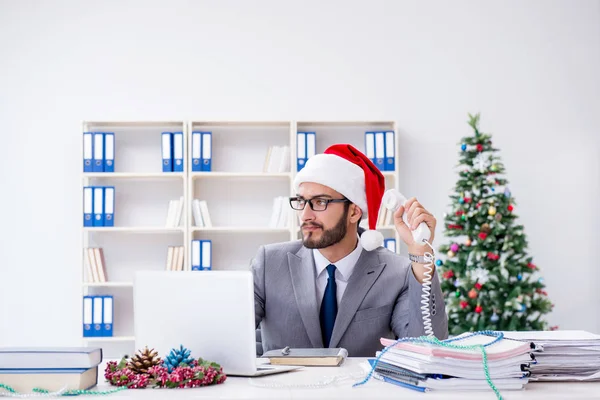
(307, 357)
(210, 312)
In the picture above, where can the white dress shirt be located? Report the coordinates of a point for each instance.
(343, 271)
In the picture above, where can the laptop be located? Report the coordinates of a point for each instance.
(209, 312)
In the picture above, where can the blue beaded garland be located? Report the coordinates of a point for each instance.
(39, 392)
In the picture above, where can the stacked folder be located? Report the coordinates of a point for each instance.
(563, 355)
(428, 366)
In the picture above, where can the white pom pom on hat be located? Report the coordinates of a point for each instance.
(348, 171)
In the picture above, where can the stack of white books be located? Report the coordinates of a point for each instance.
(55, 369)
(427, 366)
(277, 159)
(281, 214)
(200, 213)
(563, 355)
(176, 213)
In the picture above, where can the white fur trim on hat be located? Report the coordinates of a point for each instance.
(339, 174)
(371, 239)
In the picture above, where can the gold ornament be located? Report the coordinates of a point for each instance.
(492, 210)
(450, 254)
(486, 228)
(468, 242)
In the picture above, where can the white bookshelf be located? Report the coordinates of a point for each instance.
(238, 193)
(140, 237)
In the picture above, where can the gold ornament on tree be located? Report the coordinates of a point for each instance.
(492, 211)
(468, 242)
(486, 228)
(143, 360)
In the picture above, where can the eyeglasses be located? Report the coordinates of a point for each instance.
(316, 204)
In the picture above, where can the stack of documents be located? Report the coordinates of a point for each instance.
(425, 366)
(563, 355)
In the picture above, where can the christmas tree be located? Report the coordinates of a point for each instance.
(487, 278)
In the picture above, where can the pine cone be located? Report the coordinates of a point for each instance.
(143, 360)
(177, 357)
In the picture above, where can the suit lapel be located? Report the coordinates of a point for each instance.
(365, 273)
(302, 271)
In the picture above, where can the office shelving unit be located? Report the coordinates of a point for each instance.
(238, 193)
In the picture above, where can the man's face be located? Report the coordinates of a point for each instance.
(325, 228)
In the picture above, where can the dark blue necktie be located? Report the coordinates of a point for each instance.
(329, 306)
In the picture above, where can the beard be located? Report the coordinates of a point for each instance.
(329, 236)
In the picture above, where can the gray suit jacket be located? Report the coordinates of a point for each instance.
(382, 299)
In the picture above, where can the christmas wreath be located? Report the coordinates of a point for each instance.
(176, 370)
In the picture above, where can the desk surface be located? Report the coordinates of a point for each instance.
(344, 377)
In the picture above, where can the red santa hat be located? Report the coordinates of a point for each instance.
(348, 171)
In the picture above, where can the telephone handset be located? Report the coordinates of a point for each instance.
(392, 200)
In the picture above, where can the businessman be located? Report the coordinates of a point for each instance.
(336, 288)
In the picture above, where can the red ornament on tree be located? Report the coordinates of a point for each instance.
(482, 235)
(467, 199)
(464, 304)
(477, 205)
(493, 256)
(478, 286)
(460, 212)
(531, 266)
(448, 274)
(479, 148)
(478, 309)
(510, 207)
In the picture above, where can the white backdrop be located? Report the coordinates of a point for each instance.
(530, 67)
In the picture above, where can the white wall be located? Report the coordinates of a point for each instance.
(531, 68)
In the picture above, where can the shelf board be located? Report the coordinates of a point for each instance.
(108, 284)
(133, 229)
(303, 124)
(110, 339)
(258, 175)
(196, 124)
(132, 124)
(241, 229)
(135, 175)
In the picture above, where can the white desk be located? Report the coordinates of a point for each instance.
(242, 388)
